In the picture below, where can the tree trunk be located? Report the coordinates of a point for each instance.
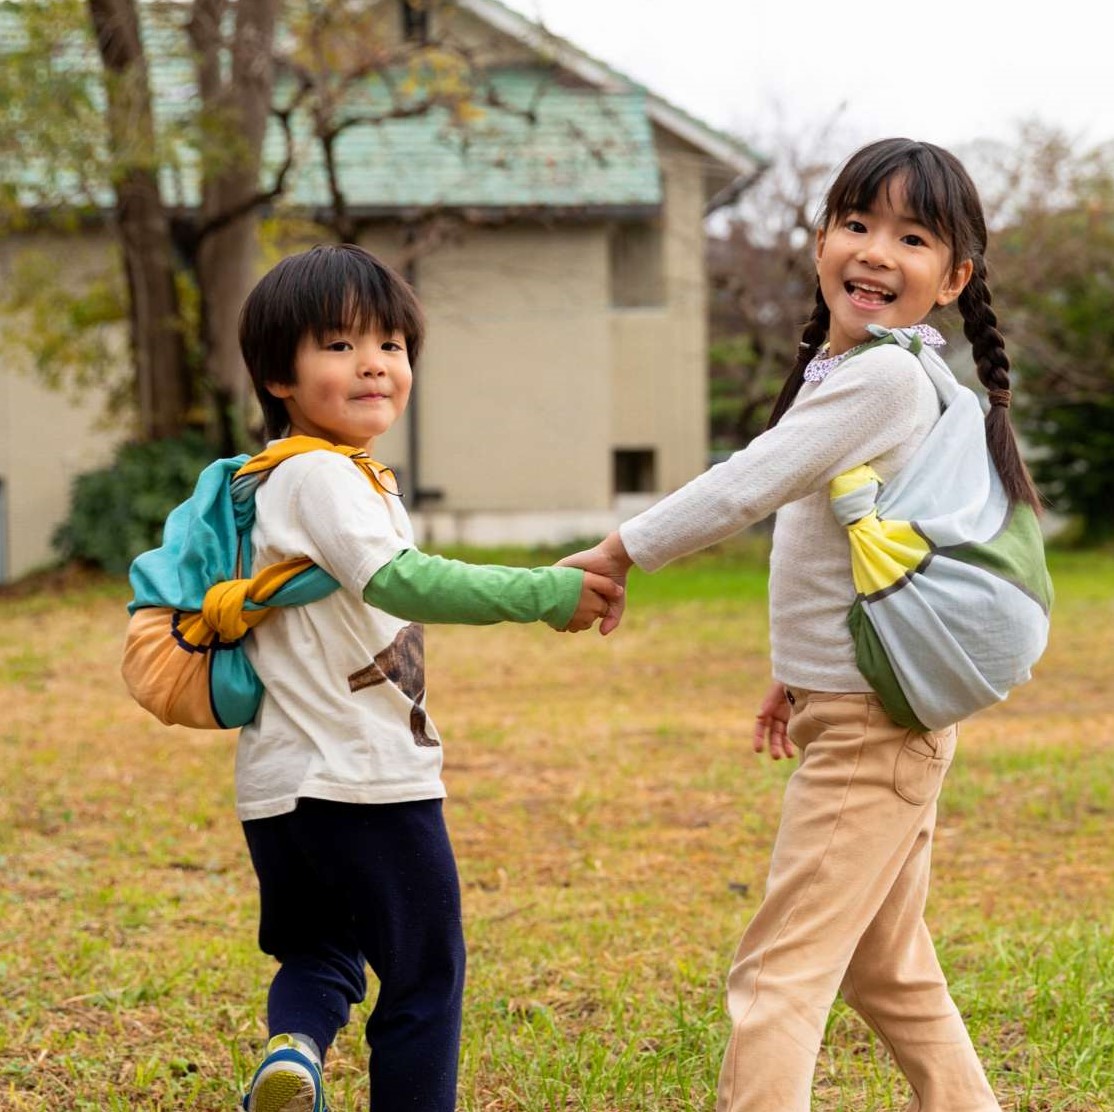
(162, 374)
(226, 253)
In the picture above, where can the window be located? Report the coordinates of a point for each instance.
(634, 471)
(637, 271)
(415, 21)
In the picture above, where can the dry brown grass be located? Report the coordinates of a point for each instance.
(612, 829)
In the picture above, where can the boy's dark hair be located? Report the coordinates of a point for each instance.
(943, 197)
(330, 288)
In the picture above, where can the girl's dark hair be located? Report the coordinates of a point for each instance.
(943, 198)
(330, 288)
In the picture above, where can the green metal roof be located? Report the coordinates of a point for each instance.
(553, 147)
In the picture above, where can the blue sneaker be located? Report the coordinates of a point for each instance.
(288, 1079)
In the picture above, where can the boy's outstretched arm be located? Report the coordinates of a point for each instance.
(608, 558)
(422, 588)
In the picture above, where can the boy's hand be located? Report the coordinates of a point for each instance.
(608, 558)
(771, 723)
(598, 596)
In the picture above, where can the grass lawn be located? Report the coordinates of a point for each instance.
(612, 828)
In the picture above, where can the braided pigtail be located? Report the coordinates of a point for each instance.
(980, 326)
(813, 337)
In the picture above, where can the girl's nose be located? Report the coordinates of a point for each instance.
(873, 252)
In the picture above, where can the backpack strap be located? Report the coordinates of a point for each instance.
(232, 607)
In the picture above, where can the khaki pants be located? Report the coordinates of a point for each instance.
(844, 912)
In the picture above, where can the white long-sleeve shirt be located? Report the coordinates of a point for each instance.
(876, 408)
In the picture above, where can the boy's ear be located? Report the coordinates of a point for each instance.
(279, 389)
(955, 283)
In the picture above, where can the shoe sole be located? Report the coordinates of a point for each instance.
(282, 1088)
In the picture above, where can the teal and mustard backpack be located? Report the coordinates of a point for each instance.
(196, 598)
(953, 593)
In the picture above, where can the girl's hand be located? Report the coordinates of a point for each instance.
(599, 596)
(771, 723)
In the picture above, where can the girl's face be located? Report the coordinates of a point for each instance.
(350, 388)
(883, 266)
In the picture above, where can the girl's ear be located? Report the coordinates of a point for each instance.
(820, 237)
(285, 389)
(954, 284)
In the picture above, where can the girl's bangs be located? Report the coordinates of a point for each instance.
(927, 190)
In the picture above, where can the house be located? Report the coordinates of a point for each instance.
(563, 381)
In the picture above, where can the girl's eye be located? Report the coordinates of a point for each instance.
(914, 240)
(855, 226)
(338, 345)
(392, 345)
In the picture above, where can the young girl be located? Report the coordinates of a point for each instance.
(901, 233)
(338, 777)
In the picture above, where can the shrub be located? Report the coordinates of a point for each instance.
(118, 512)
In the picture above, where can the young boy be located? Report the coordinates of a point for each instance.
(338, 778)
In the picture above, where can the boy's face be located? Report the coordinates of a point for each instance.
(348, 389)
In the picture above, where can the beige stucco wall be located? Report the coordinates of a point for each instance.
(660, 354)
(514, 391)
(531, 378)
(46, 438)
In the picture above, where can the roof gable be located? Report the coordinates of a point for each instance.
(726, 149)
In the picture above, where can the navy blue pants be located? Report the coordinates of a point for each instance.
(343, 882)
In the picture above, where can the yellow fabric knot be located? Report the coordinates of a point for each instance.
(223, 608)
(883, 552)
(223, 611)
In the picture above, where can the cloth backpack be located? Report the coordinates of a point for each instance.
(196, 598)
(953, 593)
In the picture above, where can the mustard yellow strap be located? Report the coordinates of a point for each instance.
(850, 480)
(223, 608)
(380, 476)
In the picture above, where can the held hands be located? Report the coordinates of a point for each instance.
(598, 596)
(608, 560)
(770, 724)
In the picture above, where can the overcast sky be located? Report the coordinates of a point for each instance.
(949, 72)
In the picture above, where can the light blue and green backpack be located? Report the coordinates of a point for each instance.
(953, 593)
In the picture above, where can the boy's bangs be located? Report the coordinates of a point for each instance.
(353, 294)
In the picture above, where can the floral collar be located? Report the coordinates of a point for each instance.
(822, 365)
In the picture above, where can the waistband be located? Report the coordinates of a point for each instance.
(798, 697)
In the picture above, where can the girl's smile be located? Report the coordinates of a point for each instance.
(883, 266)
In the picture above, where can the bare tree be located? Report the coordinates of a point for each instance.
(763, 277)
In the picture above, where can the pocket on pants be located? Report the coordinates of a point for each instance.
(922, 763)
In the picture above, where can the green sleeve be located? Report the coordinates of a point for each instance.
(423, 588)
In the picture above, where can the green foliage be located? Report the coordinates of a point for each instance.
(52, 139)
(118, 512)
(741, 390)
(1075, 467)
(1054, 278)
(72, 331)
